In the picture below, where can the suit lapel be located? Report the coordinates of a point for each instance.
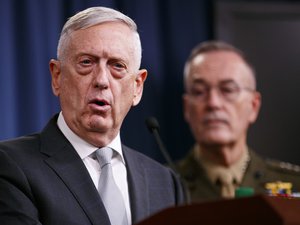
(137, 185)
(67, 164)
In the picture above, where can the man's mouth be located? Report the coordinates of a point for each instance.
(215, 122)
(100, 102)
(214, 119)
(100, 105)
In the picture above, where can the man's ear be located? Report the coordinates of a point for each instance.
(139, 86)
(256, 103)
(55, 70)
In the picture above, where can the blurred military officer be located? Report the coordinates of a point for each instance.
(220, 103)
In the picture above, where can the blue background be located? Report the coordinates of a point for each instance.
(168, 29)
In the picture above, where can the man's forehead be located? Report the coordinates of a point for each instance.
(219, 66)
(94, 41)
(217, 60)
(198, 59)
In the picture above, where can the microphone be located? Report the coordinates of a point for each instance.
(153, 127)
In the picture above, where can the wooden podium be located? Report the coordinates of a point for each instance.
(256, 210)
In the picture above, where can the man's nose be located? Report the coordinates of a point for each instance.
(101, 77)
(214, 98)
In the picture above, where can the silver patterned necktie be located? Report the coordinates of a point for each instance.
(108, 190)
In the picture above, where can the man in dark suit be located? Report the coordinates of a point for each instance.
(220, 103)
(51, 178)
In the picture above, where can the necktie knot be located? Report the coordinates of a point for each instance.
(104, 155)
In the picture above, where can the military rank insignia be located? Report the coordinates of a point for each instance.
(281, 189)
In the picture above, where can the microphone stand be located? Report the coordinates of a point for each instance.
(153, 127)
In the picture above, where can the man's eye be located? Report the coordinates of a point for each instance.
(229, 89)
(198, 92)
(119, 66)
(86, 62)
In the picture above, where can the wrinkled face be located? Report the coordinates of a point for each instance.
(97, 80)
(220, 102)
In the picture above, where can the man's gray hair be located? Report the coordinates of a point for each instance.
(95, 16)
(212, 46)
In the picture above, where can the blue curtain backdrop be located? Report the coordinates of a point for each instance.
(28, 40)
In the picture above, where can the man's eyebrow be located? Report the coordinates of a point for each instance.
(80, 54)
(199, 81)
(228, 81)
(202, 81)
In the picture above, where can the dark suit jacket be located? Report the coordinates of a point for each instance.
(44, 181)
(258, 172)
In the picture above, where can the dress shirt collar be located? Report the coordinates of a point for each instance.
(83, 148)
(214, 171)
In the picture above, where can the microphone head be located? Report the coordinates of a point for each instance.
(152, 124)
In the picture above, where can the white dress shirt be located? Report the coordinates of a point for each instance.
(86, 152)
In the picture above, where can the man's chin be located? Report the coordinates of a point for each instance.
(216, 139)
(98, 124)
